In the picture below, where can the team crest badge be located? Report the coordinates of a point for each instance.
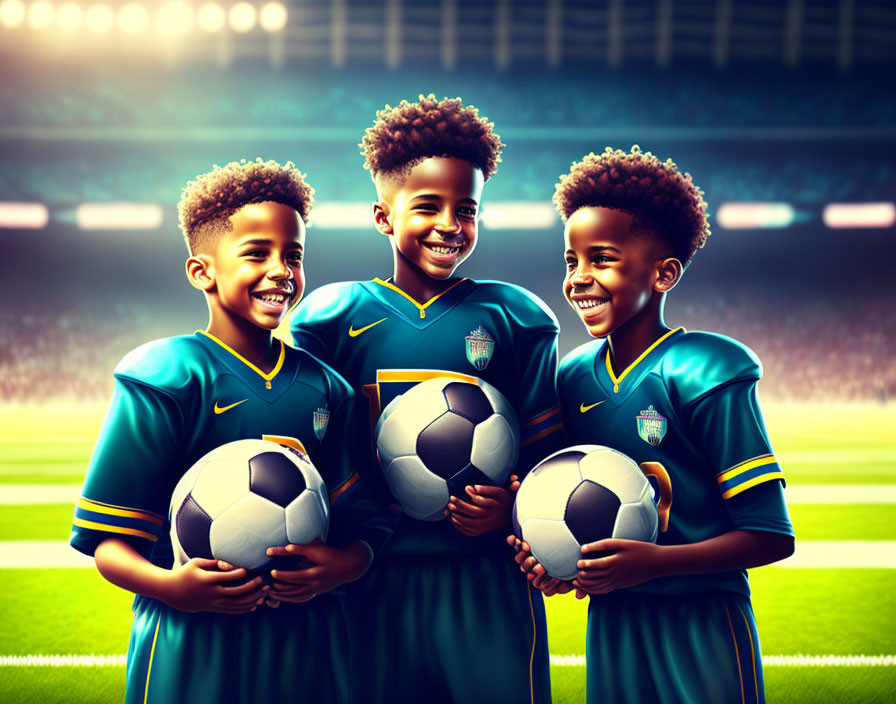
(480, 347)
(651, 426)
(321, 418)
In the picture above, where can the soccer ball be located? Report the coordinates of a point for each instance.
(580, 495)
(244, 497)
(442, 435)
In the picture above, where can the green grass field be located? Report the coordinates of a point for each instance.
(813, 612)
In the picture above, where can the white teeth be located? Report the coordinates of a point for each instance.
(443, 250)
(589, 303)
(273, 297)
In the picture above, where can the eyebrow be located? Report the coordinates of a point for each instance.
(433, 196)
(294, 245)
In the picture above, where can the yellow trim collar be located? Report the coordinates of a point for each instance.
(420, 306)
(634, 364)
(266, 376)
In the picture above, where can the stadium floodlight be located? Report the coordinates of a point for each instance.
(12, 13)
(118, 216)
(211, 17)
(24, 216)
(174, 19)
(272, 17)
(343, 216)
(242, 17)
(748, 216)
(99, 19)
(40, 14)
(518, 216)
(856, 215)
(133, 18)
(69, 17)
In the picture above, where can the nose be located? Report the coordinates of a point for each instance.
(581, 280)
(448, 224)
(279, 271)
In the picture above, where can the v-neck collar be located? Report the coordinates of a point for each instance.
(419, 314)
(246, 370)
(630, 371)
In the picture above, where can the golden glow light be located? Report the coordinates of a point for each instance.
(211, 17)
(40, 15)
(118, 216)
(272, 17)
(856, 215)
(24, 216)
(99, 19)
(69, 17)
(242, 17)
(133, 18)
(12, 13)
(174, 19)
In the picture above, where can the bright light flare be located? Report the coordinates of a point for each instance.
(118, 216)
(272, 17)
(343, 216)
(69, 17)
(174, 19)
(24, 216)
(748, 216)
(133, 19)
(99, 19)
(12, 13)
(242, 17)
(40, 15)
(211, 17)
(518, 216)
(856, 215)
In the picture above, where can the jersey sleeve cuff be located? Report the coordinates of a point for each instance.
(107, 520)
(748, 474)
(541, 426)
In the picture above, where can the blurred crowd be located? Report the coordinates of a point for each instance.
(810, 352)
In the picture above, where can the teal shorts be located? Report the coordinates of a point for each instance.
(673, 649)
(455, 629)
(295, 653)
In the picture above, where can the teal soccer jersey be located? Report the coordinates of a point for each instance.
(175, 400)
(686, 411)
(443, 617)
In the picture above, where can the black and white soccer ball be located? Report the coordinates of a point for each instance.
(442, 435)
(244, 497)
(578, 496)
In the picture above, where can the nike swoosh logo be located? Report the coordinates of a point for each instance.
(584, 409)
(219, 410)
(354, 333)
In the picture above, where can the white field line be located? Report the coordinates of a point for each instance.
(881, 494)
(810, 554)
(850, 458)
(557, 660)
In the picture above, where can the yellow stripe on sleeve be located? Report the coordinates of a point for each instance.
(745, 467)
(98, 507)
(106, 528)
(778, 474)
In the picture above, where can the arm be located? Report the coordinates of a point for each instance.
(199, 585)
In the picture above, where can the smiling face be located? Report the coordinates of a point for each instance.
(611, 274)
(254, 271)
(431, 215)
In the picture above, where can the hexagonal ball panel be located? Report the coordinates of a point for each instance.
(546, 489)
(468, 401)
(243, 532)
(306, 518)
(468, 476)
(500, 404)
(638, 520)
(422, 494)
(591, 512)
(405, 416)
(615, 471)
(182, 488)
(553, 546)
(192, 525)
(275, 477)
(220, 484)
(494, 451)
(444, 445)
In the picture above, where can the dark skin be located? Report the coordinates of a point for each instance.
(431, 218)
(617, 282)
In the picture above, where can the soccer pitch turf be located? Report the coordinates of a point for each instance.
(840, 463)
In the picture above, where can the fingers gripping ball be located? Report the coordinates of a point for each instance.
(244, 497)
(442, 435)
(581, 495)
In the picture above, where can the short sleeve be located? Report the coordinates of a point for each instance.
(127, 488)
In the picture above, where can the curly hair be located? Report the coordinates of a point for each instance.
(403, 136)
(662, 200)
(207, 202)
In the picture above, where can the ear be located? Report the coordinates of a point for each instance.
(201, 272)
(382, 217)
(668, 274)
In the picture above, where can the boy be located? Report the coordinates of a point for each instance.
(177, 398)
(445, 616)
(672, 621)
